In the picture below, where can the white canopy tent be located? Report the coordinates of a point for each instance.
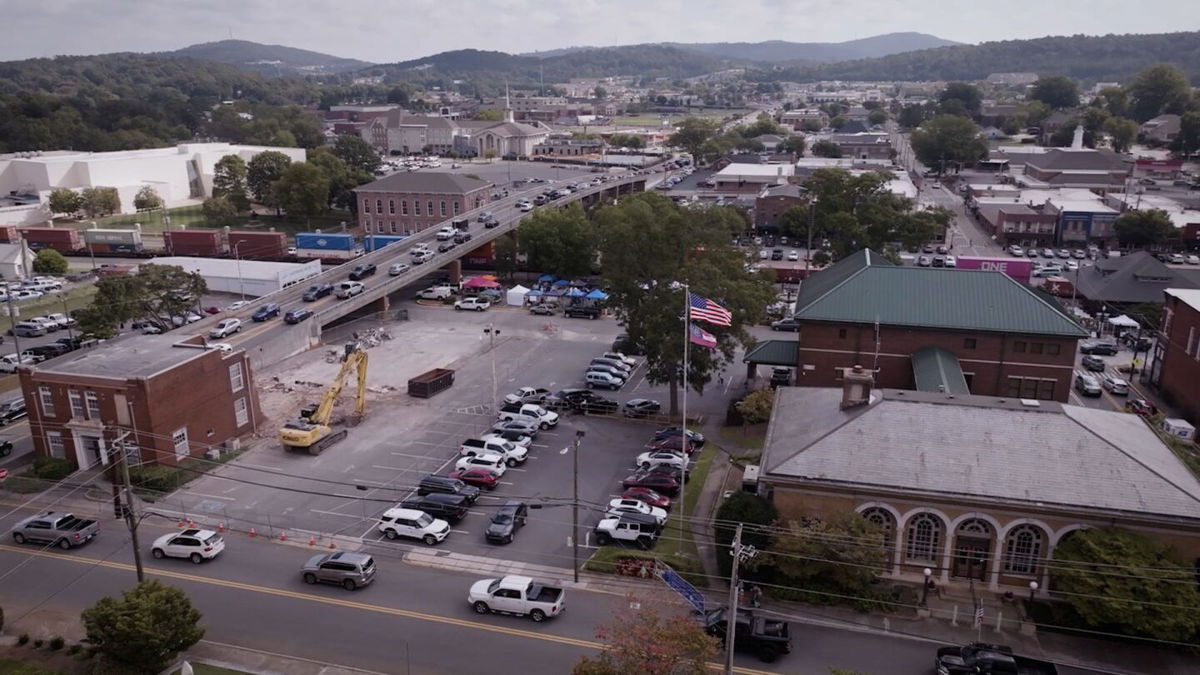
(516, 295)
(1122, 321)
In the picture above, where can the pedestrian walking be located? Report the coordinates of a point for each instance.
(721, 378)
(755, 595)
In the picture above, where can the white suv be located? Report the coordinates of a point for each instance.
(492, 461)
(349, 289)
(225, 328)
(413, 524)
(195, 545)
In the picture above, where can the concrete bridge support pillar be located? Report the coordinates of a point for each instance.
(380, 305)
(455, 270)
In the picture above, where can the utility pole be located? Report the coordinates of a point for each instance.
(12, 324)
(739, 554)
(575, 502)
(131, 519)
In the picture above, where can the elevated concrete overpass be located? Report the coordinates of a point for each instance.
(272, 341)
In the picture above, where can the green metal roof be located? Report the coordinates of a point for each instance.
(774, 353)
(865, 289)
(938, 370)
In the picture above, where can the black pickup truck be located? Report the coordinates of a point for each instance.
(988, 659)
(767, 638)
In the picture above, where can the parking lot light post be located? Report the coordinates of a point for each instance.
(575, 501)
(1033, 586)
(67, 313)
(238, 258)
(925, 586)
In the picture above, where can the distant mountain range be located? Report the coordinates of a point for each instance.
(781, 51)
(270, 59)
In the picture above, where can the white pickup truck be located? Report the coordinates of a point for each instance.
(528, 412)
(516, 595)
(513, 454)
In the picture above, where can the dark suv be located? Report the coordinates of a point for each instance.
(267, 311)
(317, 291)
(582, 311)
(1098, 347)
(508, 519)
(450, 507)
(447, 485)
(1094, 363)
(362, 271)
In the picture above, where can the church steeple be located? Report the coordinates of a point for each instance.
(508, 113)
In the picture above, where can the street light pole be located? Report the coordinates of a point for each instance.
(925, 586)
(241, 284)
(575, 503)
(66, 313)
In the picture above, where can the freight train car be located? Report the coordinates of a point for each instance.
(258, 245)
(196, 243)
(332, 247)
(61, 239)
(374, 242)
(113, 241)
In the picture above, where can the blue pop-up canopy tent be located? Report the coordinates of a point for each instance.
(547, 277)
(597, 295)
(562, 282)
(575, 293)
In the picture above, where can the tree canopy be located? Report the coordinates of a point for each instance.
(229, 181)
(147, 198)
(356, 153)
(826, 148)
(650, 635)
(1056, 91)
(1139, 229)
(692, 133)
(828, 554)
(302, 190)
(1159, 89)
(969, 99)
(145, 629)
(156, 293)
(1121, 581)
(948, 139)
(49, 261)
(262, 172)
(558, 241)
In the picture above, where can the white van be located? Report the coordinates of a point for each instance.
(349, 289)
(435, 293)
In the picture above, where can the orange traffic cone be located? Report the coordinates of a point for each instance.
(253, 532)
(182, 524)
(191, 523)
(312, 541)
(221, 527)
(331, 544)
(283, 536)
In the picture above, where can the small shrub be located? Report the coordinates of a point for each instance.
(56, 644)
(74, 649)
(38, 642)
(52, 468)
(24, 639)
(153, 478)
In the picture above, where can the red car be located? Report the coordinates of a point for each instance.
(478, 477)
(673, 443)
(659, 482)
(1141, 407)
(647, 496)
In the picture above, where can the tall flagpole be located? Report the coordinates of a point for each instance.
(684, 440)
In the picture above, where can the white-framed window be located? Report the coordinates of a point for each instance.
(924, 538)
(456, 204)
(54, 444)
(443, 207)
(180, 440)
(404, 207)
(1023, 550)
(236, 381)
(77, 409)
(391, 207)
(93, 404)
(46, 398)
(241, 413)
(429, 207)
(366, 206)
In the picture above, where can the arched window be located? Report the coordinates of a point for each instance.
(887, 529)
(924, 537)
(1023, 549)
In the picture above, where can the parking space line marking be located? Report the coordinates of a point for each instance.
(201, 494)
(436, 445)
(403, 454)
(344, 515)
(466, 532)
(391, 468)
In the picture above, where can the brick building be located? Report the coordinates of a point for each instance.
(1018, 224)
(178, 396)
(773, 201)
(974, 488)
(408, 202)
(1097, 170)
(1175, 369)
(1005, 339)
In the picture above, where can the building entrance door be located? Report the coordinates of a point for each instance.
(93, 450)
(971, 556)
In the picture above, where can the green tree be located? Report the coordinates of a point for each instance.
(219, 212)
(342, 179)
(49, 261)
(1188, 141)
(1159, 89)
(100, 201)
(262, 172)
(911, 116)
(229, 181)
(649, 247)
(794, 144)
(558, 241)
(1056, 91)
(156, 293)
(1123, 581)
(756, 408)
(600, 93)
(826, 148)
(692, 133)
(63, 200)
(147, 198)
(505, 256)
(627, 141)
(490, 154)
(838, 121)
(1122, 132)
(1139, 229)
(948, 138)
(756, 515)
(303, 189)
(146, 629)
(1113, 99)
(969, 98)
(828, 554)
(1036, 112)
(656, 638)
(489, 115)
(878, 116)
(356, 153)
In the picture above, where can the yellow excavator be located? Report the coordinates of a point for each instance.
(311, 431)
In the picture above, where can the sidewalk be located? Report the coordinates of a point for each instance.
(259, 662)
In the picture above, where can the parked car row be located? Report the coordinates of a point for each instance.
(610, 370)
(41, 325)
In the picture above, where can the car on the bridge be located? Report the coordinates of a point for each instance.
(525, 205)
(422, 257)
(347, 569)
(396, 269)
(362, 271)
(237, 305)
(485, 216)
(505, 523)
(267, 311)
(349, 289)
(295, 316)
(317, 291)
(445, 234)
(462, 237)
(446, 246)
(475, 304)
(225, 328)
(516, 595)
(194, 544)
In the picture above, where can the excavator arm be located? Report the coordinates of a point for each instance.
(314, 434)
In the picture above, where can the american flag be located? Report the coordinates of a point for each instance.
(707, 310)
(701, 337)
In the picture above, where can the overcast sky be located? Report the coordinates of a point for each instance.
(384, 31)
